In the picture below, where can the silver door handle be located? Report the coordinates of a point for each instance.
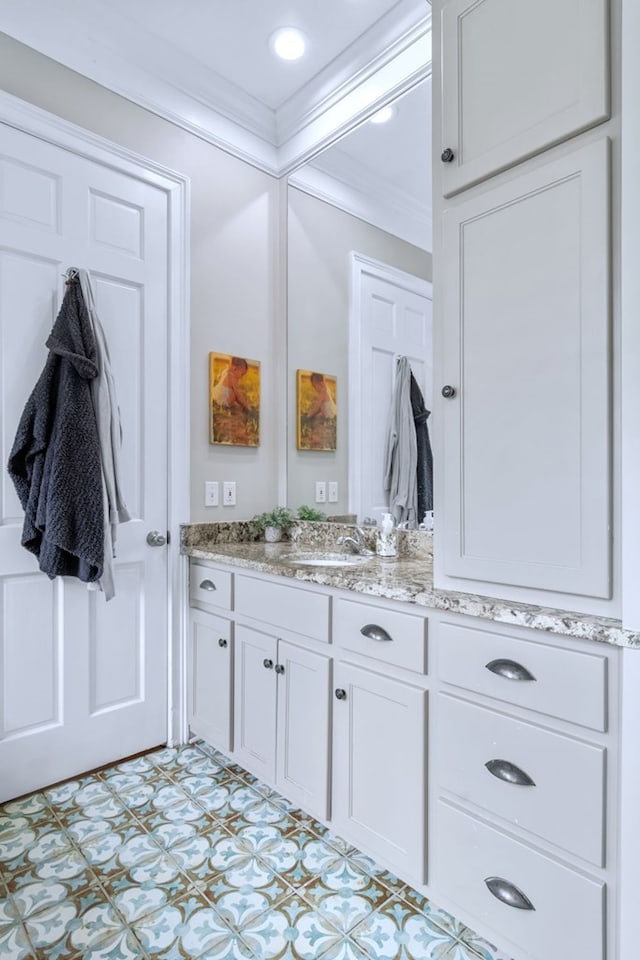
(509, 772)
(509, 669)
(156, 539)
(373, 632)
(508, 893)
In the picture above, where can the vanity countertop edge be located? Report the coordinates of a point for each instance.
(410, 580)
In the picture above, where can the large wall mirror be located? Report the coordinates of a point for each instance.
(369, 193)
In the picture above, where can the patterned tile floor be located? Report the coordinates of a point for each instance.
(182, 854)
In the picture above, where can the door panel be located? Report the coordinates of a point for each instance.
(527, 461)
(303, 728)
(255, 702)
(379, 765)
(29, 610)
(517, 78)
(94, 685)
(210, 679)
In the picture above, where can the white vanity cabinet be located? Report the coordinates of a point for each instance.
(380, 733)
(521, 813)
(210, 655)
(210, 660)
(282, 688)
(517, 77)
(526, 433)
(282, 716)
(522, 316)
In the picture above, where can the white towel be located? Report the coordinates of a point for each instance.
(105, 404)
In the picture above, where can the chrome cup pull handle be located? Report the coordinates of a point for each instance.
(208, 585)
(374, 632)
(508, 893)
(509, 669)
(509, 772)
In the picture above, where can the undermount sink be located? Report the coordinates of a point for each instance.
(325, 559)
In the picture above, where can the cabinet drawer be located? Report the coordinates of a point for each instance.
(558, 682)
(209, 587)
(289, 608)
(568, 915)
(390, 636)
(565, 802)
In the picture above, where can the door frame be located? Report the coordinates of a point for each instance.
(360, 265)
(29, 119)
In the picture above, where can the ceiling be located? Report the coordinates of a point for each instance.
(207, 66)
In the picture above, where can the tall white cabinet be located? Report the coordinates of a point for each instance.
(522, 302)
(516, 78)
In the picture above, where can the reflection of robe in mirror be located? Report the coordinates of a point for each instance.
(425, 456)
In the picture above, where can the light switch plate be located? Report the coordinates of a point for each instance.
(229, 493)
(333, 491)
(321, 491)
(211, 493)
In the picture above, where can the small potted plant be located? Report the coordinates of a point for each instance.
(310, 513)
(273, 523)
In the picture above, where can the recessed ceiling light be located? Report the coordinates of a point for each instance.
(384, 115)
(288, 43)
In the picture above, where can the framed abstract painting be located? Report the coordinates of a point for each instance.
(316, 410)
(234, 400)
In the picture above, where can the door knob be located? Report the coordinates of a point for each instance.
(341, 694)
(156, 539)
(447, 155)
(267, 664)
(279, 668)
(222, 642)
(448, 392)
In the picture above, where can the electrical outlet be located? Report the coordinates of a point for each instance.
(321, 491)
(333, 491)
(211, 493)
(229, 493)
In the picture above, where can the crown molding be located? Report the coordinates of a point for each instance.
(366, 94)
(391, 36)
(369, 198)
(218, 112)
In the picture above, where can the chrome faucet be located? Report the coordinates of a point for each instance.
(356, 543)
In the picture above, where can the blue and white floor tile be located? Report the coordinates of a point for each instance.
(182, 855)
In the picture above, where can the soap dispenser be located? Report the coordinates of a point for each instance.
(387, 541)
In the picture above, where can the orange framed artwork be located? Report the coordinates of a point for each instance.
(316, 410)
(234, 400)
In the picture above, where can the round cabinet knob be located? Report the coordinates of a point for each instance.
(279, 668)
(222, 642)
(448, 392)
(447, 155)
(341, 694)
(268, 664)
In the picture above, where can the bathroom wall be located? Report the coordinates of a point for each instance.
(235, 221)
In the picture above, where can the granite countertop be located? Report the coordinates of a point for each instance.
(407, 578)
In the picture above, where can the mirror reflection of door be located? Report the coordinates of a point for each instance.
(390, 317)
(370, 193)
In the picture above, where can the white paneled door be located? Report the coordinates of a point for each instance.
(391, 316)
(83, 682)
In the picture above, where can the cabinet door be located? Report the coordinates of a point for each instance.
(255, 701)
(379, 765)
(516, 78)
(526, 460)
(210, 673)
(303, 728)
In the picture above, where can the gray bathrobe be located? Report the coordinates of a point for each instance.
(55, 460)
